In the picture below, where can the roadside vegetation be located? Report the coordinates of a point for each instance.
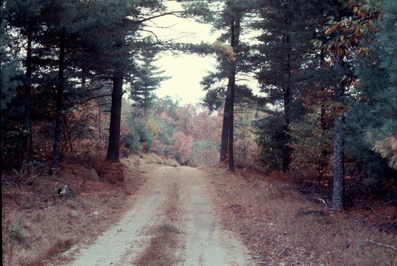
(282, 225)
(39, 224)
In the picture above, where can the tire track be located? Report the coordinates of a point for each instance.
(173, 222)
(129, 236)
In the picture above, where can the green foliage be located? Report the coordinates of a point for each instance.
(162, 132)
(164, 142)
(232, 53)
(187, 133)
(372, 123)
(204, 153)
(200, 10)
(386, 147)
(285, 61)
(166, 105)
(103, 38)
(9, 68)
(357, 121)
(139, 136)
(133, 142)
(284, 46)
(214, 98)
(244, 136)
(270, 140)
(99, 38)
(312, 147)
(146, 81)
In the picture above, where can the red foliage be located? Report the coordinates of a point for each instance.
(182, 147)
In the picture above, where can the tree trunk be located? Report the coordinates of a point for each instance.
(232, 82)
(84, 72)
(225, 130)
(145, 105)
(227, 141)
(113, 152)
(338, 193)
(323, 163)
(27, 142)
(56, 152)
(286, 150)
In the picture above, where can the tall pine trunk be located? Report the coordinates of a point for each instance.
(225, 130)
(232, 82)
(323, 162)
(56, 151)
(286, 150)
(113, 152)
(338, 193)
(227, 138)
(145, 105)
(27, 142)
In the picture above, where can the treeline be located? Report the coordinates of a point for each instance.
(327, 70)
(188, 134)
(63, 67)
(65, 52)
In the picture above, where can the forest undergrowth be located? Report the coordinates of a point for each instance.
(281, 225)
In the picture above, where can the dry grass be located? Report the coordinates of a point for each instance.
(58, 247)
(161, 250)
(280, 225)
(38, 227)
(151, 158)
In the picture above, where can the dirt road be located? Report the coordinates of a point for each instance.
(172, 222)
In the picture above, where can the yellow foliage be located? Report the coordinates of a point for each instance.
(387, 148)
(225, 51)
(153, 125)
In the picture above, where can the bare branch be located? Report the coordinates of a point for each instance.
(173, 13)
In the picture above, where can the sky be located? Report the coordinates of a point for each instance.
(185, 71)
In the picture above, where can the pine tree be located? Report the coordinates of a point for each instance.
(8, 82)
(383, 99)
(27, 18)
(109, 50)
(66, 24)
(146, 81)
(376, 111)
(130, 21)
(231, 63)
(343, 34)
(284, 50)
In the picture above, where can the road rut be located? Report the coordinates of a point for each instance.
(201, 239)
